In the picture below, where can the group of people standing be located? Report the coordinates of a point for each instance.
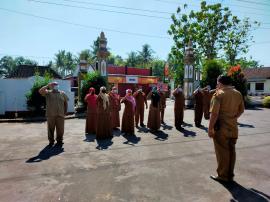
(103, 111)
(103, 115)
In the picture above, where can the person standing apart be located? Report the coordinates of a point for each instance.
(115, 107)
(140, 99)
(154, 111)
(198, 107)
(162, 104)
(104, 129)
(127, 126)
(207, 96)
(56, 108)
(227, 105)
(91, 116)
(179, 105)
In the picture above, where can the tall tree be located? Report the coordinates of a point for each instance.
(158, 68)
(95, 47)
(207, 28)
(146, 55)
(65, 62)
(86, 55)
(133, 59)
(116, 60)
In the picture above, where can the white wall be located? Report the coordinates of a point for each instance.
(12, 94)
(253, 87)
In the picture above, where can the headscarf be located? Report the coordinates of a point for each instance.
(91, 98)
(104, 97)
(155, 97)
(130, 98)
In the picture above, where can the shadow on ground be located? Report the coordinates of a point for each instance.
(104, 144)
(166, 127)
(46, 153)
(242, 194)
(187, 133)
(160, 135)
(90, 138)
(242, 125)
(131, 139)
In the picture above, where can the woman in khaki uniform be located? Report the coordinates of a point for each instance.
(154, 111)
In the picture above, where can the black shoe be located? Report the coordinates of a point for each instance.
(59, 143)
(50, 144)
(142, 125)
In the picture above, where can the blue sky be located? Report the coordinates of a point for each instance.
(39, 39)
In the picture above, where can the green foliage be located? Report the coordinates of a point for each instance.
(158, 68)
(176, 66)
(238, 79)
(266, 102)
(213, 30)
(65, 62)
(87, 56)
(116, 60)
(146, 55)
(34, 100)
(210, 72)
(8, 64)
(93, 79)
(133, 59)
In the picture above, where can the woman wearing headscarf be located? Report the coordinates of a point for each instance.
(115, 107)
(154, 110)
(104, 129)
(127, 126)
(91, 117)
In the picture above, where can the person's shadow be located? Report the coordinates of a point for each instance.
(203, 128)
(131, 139)
(46, 153)
(187, 125)
(142, 130)
(103, 144)
(160, 135)
(117, 132)
(242, 194)
(187, 133)
(166, 127)
(242, 125)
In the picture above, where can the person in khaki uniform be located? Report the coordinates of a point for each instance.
(226, 107)
(140, 99)
(56, 108)
(162, 104)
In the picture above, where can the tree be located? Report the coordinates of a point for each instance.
(65, 62)
(86, 55)
(34, 100)
(146, 55)
(236, 40)
(238, 79)
(116, 60)
(210, 28)
(93, 79)
(8, 64)
(211, 70)
(176, 66)
(133, 59)
(95, 47)
(158, 68)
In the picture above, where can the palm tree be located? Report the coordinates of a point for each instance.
(133, 59)
(146, 55)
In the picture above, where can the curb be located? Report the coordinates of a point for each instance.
(39, 119)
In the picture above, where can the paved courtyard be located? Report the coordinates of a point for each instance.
(168, 166)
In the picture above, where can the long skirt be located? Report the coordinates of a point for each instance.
(153, 118)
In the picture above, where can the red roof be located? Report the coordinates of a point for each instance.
(130, 70)
(257, 73)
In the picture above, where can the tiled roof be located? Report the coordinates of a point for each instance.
(257, 73)
(25, 71)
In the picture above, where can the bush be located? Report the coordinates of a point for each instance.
(266, 102)
(238, 79)
(211, 70)
(94, 80)
(35, 101)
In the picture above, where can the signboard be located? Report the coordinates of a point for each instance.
(147, 80)
(131, 79)
(116, 79)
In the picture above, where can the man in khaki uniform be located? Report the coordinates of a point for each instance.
(56, 108)
(226, 107)
(162, 104)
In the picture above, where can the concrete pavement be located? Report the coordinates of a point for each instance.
(168, 166)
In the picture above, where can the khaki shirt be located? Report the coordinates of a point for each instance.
(55, 103)
(227, 103)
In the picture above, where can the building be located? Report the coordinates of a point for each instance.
(258, 80)
(130, 78)
(14, 88)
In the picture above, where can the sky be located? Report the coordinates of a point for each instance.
(38, 29)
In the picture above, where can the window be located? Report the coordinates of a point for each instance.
(248, 86)
(259, 86)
